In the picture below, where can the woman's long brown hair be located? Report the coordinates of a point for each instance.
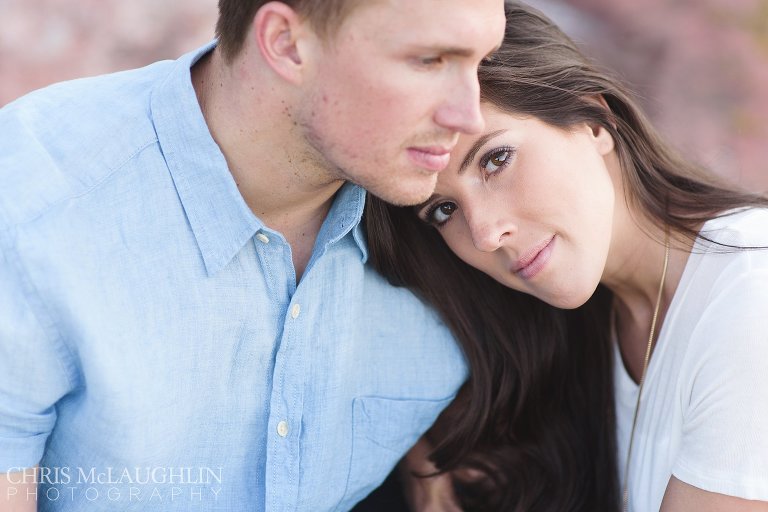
(537, 414)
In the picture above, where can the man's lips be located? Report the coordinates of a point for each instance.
(534, 259)
(431, 158)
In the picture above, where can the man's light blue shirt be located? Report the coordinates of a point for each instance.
(156, 352)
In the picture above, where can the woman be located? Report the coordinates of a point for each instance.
(572, 198)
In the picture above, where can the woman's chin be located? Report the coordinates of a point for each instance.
(571, 300)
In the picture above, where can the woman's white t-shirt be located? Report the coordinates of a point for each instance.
(704, 411)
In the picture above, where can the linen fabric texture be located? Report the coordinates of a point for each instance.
(156, 352)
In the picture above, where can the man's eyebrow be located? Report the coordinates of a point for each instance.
(456, 51)
(446, 50)
(476, 147)
(460, 52)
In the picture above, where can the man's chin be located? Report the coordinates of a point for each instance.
(406, 194)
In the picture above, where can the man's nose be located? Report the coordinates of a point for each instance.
(461, 110)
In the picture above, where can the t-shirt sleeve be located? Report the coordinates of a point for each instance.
(35, 369)
(724, 446)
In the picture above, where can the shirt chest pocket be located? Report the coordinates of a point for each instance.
(383, 430)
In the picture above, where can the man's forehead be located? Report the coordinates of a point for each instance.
(448, 15)
(459, 31)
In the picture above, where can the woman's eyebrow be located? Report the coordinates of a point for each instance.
(417, 208)
(476, 147)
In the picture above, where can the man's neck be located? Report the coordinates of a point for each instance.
(288, 191)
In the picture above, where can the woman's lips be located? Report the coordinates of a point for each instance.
(535, 259)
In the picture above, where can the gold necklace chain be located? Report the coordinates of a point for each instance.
(649, 347)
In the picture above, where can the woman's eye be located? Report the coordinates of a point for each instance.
(440, 213)
(496, 160)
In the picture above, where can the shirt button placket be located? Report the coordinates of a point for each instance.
(287, 444)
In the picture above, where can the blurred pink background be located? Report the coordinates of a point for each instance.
(700, 66)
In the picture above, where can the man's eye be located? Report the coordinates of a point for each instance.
(430, 61)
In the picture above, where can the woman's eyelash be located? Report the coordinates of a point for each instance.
(429, 215)
(507, 152)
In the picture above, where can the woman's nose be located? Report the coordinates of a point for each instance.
(490, 232)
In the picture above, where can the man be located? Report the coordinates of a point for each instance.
(186, 320)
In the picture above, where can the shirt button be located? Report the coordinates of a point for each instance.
(295, 310)
(282, 429)
(263, 238)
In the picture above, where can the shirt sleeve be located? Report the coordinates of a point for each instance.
(35, 368)
(724, 445)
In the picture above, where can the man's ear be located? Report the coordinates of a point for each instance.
(277, 29)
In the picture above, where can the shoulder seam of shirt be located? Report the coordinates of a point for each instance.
(40, 214)
(66, 357)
